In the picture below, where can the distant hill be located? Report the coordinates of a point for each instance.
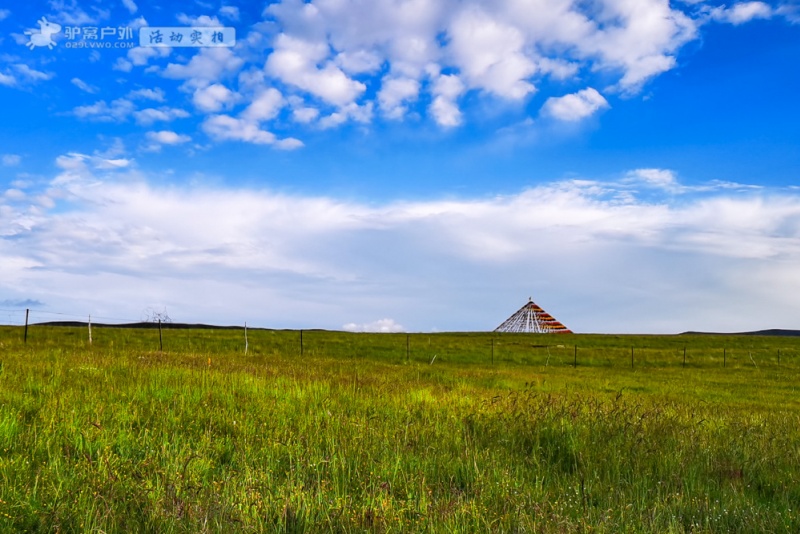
(770, 332)
(174, 326)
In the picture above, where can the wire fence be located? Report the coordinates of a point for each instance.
(484, 348)
(17, 317)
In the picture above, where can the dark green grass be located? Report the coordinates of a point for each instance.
(362, 433)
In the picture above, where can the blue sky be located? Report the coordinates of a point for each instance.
(419, 165)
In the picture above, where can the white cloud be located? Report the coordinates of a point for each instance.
(394, 93)
(294, 61)
(28, 74)
(68, 12)
(207, 66)
(490, 54)
(11, 160)
(117, 111)
(14, 195)
(140, 56)
(659, 178)
(384, 326)
(265, 106)
(83, 86)
(445, 111)
(227, 128)
(289, 143)
(149, 116)
(167, 137)
(147, 94)
(199, 21)
(358, 61)
(138, 23)
(229, 12)
(576, 106)
(4, 14)
(305, 115)
(360, 114)
(213, 98)
(500, 48)
(452, 263)
(742, 12)
(8, 80)
(122, 65)
(130, 5)
(790, 11)
(82, 164)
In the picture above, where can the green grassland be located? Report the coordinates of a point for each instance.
(396, 433)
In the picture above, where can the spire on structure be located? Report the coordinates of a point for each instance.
(531, 318)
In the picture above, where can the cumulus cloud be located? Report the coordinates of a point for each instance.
(265, 106)
(225, 127)
(155, 140)
(490, 55)
(167, 137)
(576, 106)
(294, 61)
(21, 74)
(206, 67)
(383, 326)
(352, 111)
(305, 115)
(213, 98)
(148, 116)
(140, 56)
(660, 178)
(498, 48)
(446, 89)
(200, 20)
(147, 94)
(742, 12)
(394, 93)
(102, 111)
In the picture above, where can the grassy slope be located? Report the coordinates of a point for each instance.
(359, 434)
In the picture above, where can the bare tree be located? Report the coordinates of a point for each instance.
(151, 315)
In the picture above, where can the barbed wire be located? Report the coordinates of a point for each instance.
(84, 317)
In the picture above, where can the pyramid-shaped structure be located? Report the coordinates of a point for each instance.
(531, 318)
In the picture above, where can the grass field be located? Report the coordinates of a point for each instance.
(396, 433)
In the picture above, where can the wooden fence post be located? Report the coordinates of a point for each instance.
(25, 337)
(160, 338)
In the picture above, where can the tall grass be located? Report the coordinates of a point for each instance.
(359, 435)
